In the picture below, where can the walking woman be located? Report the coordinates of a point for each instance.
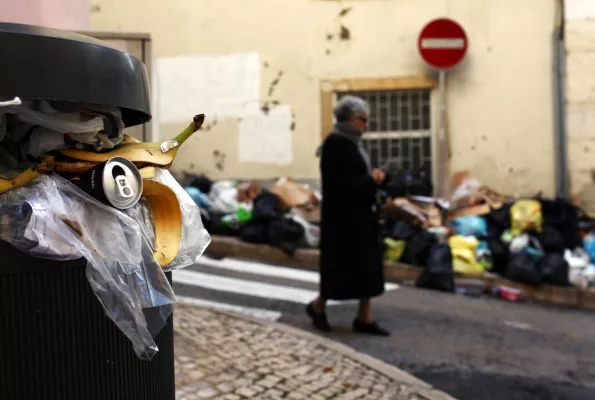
(350, 250)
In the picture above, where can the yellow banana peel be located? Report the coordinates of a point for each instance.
(153, 153)
(167, 221)
(147, 172)
(20, 180)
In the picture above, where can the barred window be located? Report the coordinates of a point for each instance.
(399, 135)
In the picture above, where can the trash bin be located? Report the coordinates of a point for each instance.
(55, 340)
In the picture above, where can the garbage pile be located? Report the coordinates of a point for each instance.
(75, 186)
(479, 231)
(285, 216)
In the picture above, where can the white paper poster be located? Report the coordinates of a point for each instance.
(267, 138)
(225, 86)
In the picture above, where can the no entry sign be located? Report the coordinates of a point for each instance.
(442, 43)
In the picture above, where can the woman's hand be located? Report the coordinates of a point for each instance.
(378, 175)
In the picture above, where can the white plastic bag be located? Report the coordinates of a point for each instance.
(224, 197)
(311, 231)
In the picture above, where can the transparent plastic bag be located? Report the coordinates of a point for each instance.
(195, 238)
(121, 269)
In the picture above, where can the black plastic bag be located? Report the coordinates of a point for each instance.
(402, 230)
(554, 270)
(522, 267)
(217, 227)
(499, 220)
(500, 256)
(418, 248)
(409, 183)
(255, 232)
(551, 240)
(266, 207)
(286, 234)
(564, 217)
(438, 273)
(202, 183)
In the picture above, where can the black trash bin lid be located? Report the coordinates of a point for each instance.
(51, 64)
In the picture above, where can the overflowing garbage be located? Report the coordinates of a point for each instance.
(75, 186)
(528, 240)
(477, 232)
(286, 215)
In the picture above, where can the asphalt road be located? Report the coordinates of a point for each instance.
(473, 349)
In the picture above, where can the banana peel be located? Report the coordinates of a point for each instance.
(18, 181)
(147, 172)
(153, 153)
(167, 221)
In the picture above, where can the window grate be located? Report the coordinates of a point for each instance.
(399, 126)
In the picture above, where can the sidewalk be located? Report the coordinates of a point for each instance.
(231, 357)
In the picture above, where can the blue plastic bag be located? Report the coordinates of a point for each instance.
(198, 197)
(470, 226)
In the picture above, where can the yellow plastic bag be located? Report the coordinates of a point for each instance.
(463, 255)
(394, 250)
(526, 215)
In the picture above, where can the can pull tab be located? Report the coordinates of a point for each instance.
(123, 186)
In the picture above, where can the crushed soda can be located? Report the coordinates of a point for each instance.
(508, 294)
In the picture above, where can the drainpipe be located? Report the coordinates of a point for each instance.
(560, 137)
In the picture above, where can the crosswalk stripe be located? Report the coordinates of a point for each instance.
(277, 271)
(243, 287)
(260, 313)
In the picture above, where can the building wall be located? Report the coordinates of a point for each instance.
(229, 58)
(580, 92)
(62, 14)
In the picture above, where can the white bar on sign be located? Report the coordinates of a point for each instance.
(443, 43)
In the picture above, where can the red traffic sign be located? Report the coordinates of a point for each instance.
(442, 43)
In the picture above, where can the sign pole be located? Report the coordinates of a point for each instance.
(442, 151)
(442, 44)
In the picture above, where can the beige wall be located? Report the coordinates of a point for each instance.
(580, 91)
(500, 99)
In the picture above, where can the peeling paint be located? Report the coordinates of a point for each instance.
(345, 33)
(345, 11)
(274, 83)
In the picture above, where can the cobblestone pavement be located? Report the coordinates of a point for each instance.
(221, 356)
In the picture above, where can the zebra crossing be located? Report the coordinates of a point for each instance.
(251, 288)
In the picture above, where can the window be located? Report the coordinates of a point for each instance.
(399, 134)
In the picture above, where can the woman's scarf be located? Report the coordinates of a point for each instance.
(354, 135)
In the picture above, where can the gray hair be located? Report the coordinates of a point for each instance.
(350, 107)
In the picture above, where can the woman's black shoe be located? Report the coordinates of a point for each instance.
(318, 319)
(371, 329)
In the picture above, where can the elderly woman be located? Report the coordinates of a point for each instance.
(350, 250)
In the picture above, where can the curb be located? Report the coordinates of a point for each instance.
(426, 391)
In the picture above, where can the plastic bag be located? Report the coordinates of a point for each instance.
(267, 207)
(195, 238)
(555, 270)
(311, 231)
(525, 215)
(201, 199)
(463, 253)
(120, 264)
(551, 240)
(418, 248)
(286, 234)
(438, 273)
(393, 250)
(409, 183)
(470, 226)
(224, 197)
(523, 268)
(402, 230)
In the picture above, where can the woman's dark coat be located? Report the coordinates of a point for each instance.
(350, 250)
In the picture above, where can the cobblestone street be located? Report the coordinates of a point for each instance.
(221, 356)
